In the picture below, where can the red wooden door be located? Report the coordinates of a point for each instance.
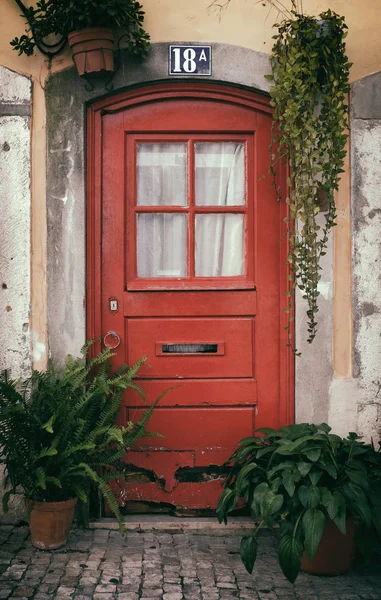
(190, 273)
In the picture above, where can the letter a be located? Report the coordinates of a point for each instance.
(203, 56)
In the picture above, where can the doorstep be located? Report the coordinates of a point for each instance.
(168, 523)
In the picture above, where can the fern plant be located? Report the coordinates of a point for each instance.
(58, 430)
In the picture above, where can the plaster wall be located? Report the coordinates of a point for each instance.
(15, 97)
(15, 348)
(366, 223)
(314, 369)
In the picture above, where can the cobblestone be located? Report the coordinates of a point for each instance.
(101, 565)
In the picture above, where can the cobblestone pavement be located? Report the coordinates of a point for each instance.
(180, 565)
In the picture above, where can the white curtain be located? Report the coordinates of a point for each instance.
(162, 245)
(220, 177)
(162, 181)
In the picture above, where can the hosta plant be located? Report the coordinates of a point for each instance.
(58, 430)
(297, 478)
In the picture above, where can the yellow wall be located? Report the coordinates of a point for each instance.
(245, 23)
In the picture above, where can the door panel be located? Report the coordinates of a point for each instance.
(189, 304)
(197, 429)
(192, 348)
(191, 274)
(199, 392)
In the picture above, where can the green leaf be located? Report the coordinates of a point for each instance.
(48, 425)
(259, 493)
(314, 454)
(329, 468)
(359, 478)
(271, 504)
(47, 452)
(226, 503)
(243, 474)
(309, 496)
(264, 451)
(341, 516)
(248, 552)
(330, 502)
(285, 465)
(304, 468)
(288, 482)
(324, 427)
(315, 476)
(313, 523)
(54, 481)
(290, 556)
(361, 504)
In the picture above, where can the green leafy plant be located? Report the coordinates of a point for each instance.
(297, 478)
(61, 17)
(58, 430)
(310, 77)
(310, 74)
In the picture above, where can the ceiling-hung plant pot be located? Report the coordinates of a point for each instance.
(310, 485)
(50, 522)
(92, 50)
(309, 95)
(60, 440)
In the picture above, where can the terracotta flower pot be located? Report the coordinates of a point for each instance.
(92, 50)
(50, 522)
(335, 552)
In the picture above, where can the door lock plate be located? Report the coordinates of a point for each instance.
(114, 305)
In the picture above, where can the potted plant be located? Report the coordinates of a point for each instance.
(309, 96)
(59, 438)
(88, 25)
(316, 486)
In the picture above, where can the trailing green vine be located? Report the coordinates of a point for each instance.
(310, 74)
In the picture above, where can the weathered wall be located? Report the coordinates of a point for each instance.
(15, 351)
(366, 222)
(15, 98)
(313, 369)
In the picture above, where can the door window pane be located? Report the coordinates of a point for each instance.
(161, 245)
(161, 174)
(220, 173)
(219, 245)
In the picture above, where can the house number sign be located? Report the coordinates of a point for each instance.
(190, 60)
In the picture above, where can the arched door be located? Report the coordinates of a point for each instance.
(186, 266)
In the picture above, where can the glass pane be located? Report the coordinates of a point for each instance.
(161, 174)
(161, 245)
(220, 174)
(219, 245)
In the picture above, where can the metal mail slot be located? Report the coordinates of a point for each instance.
(190, 348)
(213, 348)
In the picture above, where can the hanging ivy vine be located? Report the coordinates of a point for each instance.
(310, 75)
